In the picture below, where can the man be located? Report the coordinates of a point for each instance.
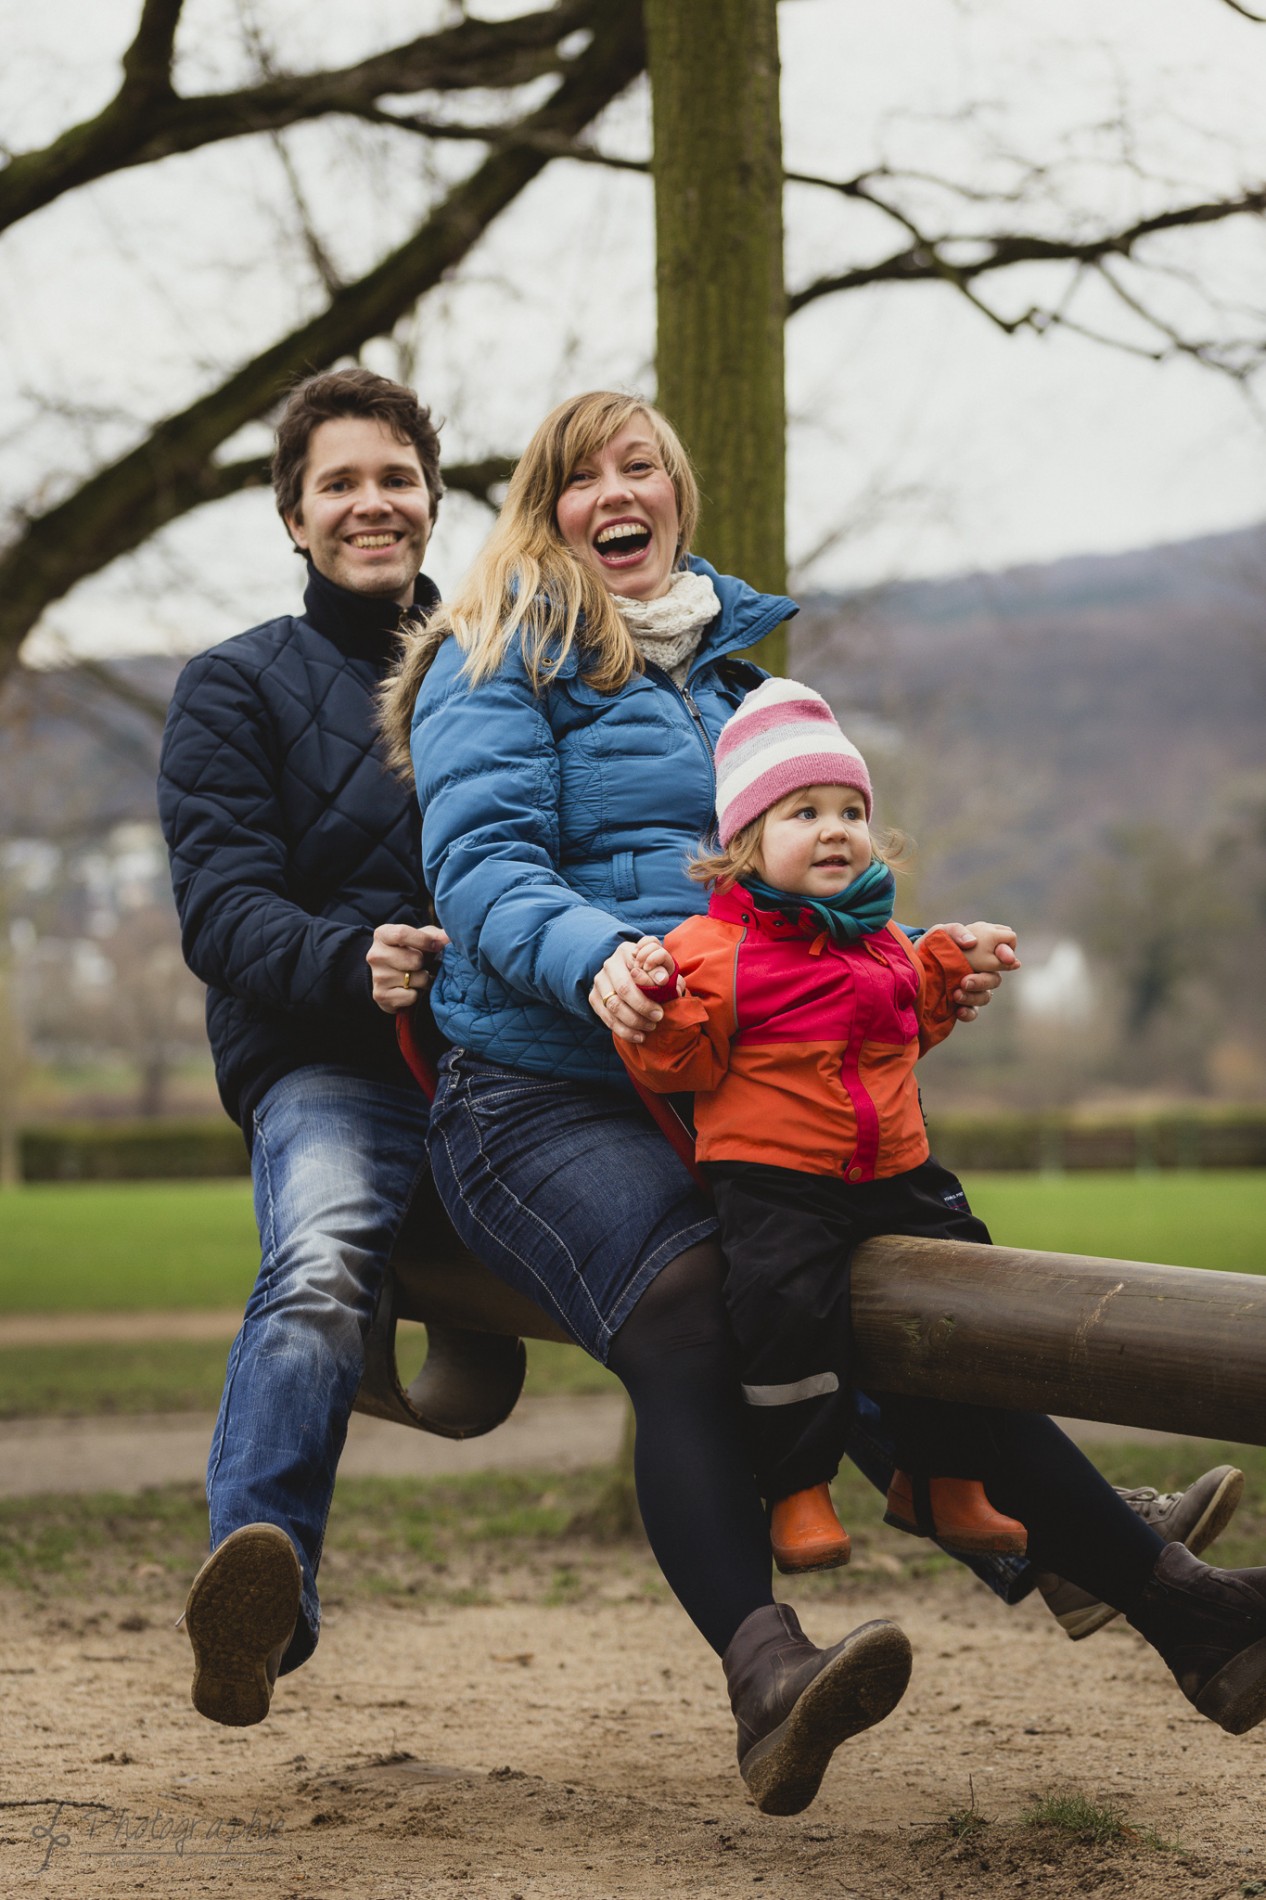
(295, 861)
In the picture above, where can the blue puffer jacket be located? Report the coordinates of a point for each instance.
(556, 827)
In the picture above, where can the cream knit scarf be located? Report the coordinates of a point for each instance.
(667, 631)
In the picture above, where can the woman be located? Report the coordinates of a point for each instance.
(566, 705)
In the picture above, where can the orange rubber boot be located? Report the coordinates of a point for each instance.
(962, 1518)
(805, 1532)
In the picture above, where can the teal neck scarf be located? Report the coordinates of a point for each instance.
(860, 910)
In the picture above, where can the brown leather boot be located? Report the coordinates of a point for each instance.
(240, 1615)
(805, 1533)
(795, 1703)
(957, 1513)
(1210, 1627)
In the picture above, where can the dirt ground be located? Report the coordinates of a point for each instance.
(526, 1751)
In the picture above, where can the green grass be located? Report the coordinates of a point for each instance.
(1096, 1822)
(123, 1379)
(126, 1247)
(133, 1246)
(1215, 1218)
(86, 1381)
(445, 1537)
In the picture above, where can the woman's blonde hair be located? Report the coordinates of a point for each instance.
(728, 865)
(527, 581)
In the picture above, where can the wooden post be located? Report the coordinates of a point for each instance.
(1169, 1348)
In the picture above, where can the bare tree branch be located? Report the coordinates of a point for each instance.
(174, 469)
(1258, 19)
(147, 62)
(147, 120)
(926, 260)
(500, 135)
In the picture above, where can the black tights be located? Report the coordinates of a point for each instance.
(695, 1488)
(698, 1497)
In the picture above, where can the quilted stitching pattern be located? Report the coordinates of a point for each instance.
(289, 842)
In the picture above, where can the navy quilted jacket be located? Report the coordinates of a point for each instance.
(289, 840)
(557, 826)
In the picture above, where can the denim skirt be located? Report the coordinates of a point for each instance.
(568, 1192)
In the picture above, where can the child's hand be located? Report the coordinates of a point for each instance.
(652, 967)
(993, 953)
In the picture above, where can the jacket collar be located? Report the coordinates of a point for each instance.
(738, 906)
(364, 623)
(745, 615)
(745, 618)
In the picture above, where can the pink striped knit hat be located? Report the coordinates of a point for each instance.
(783, 737)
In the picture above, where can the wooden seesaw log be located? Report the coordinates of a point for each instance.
(1173, 1349)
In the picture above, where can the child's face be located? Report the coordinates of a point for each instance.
(815, 842)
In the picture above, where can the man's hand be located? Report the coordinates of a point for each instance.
(403, 961)
(973, 993)
(993, 942)
(617, 998)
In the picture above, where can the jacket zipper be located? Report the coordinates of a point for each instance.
(684, 694)
(697, 716)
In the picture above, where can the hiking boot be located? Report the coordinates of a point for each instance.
(957, 1513)
(241, 1613)
(805, 1533)
(1210, 1627)
(1193, 1517)
(795, 1703)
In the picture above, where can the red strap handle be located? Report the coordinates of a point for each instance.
(420, 1064)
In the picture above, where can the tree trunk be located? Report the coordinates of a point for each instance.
(721, 293)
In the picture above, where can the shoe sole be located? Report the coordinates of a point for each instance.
(1236, 1697)
(792, 1564)
(858, 1688)
(965, 1546)
(243, 1604)
(1208, 1527)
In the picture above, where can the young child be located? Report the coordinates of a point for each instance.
(795, 1011)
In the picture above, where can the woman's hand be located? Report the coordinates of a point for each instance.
(403, 960)
(617, 997)
(973, 993)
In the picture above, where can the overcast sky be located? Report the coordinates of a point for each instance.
(922, 439)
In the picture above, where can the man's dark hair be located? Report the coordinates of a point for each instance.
(350, 392)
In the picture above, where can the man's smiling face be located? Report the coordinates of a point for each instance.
(364, 517)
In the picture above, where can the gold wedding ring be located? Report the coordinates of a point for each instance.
(407, 984)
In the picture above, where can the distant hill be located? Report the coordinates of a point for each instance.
(1016, 718)
(1010, 719)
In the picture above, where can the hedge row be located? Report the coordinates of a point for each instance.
(132, 1151)
(1192, 1138)
(1051, 1142)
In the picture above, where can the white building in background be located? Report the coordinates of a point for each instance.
(1056, 982)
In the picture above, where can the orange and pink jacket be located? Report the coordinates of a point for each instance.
(800, 1052)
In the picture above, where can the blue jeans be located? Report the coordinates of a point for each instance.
(336, 1160)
